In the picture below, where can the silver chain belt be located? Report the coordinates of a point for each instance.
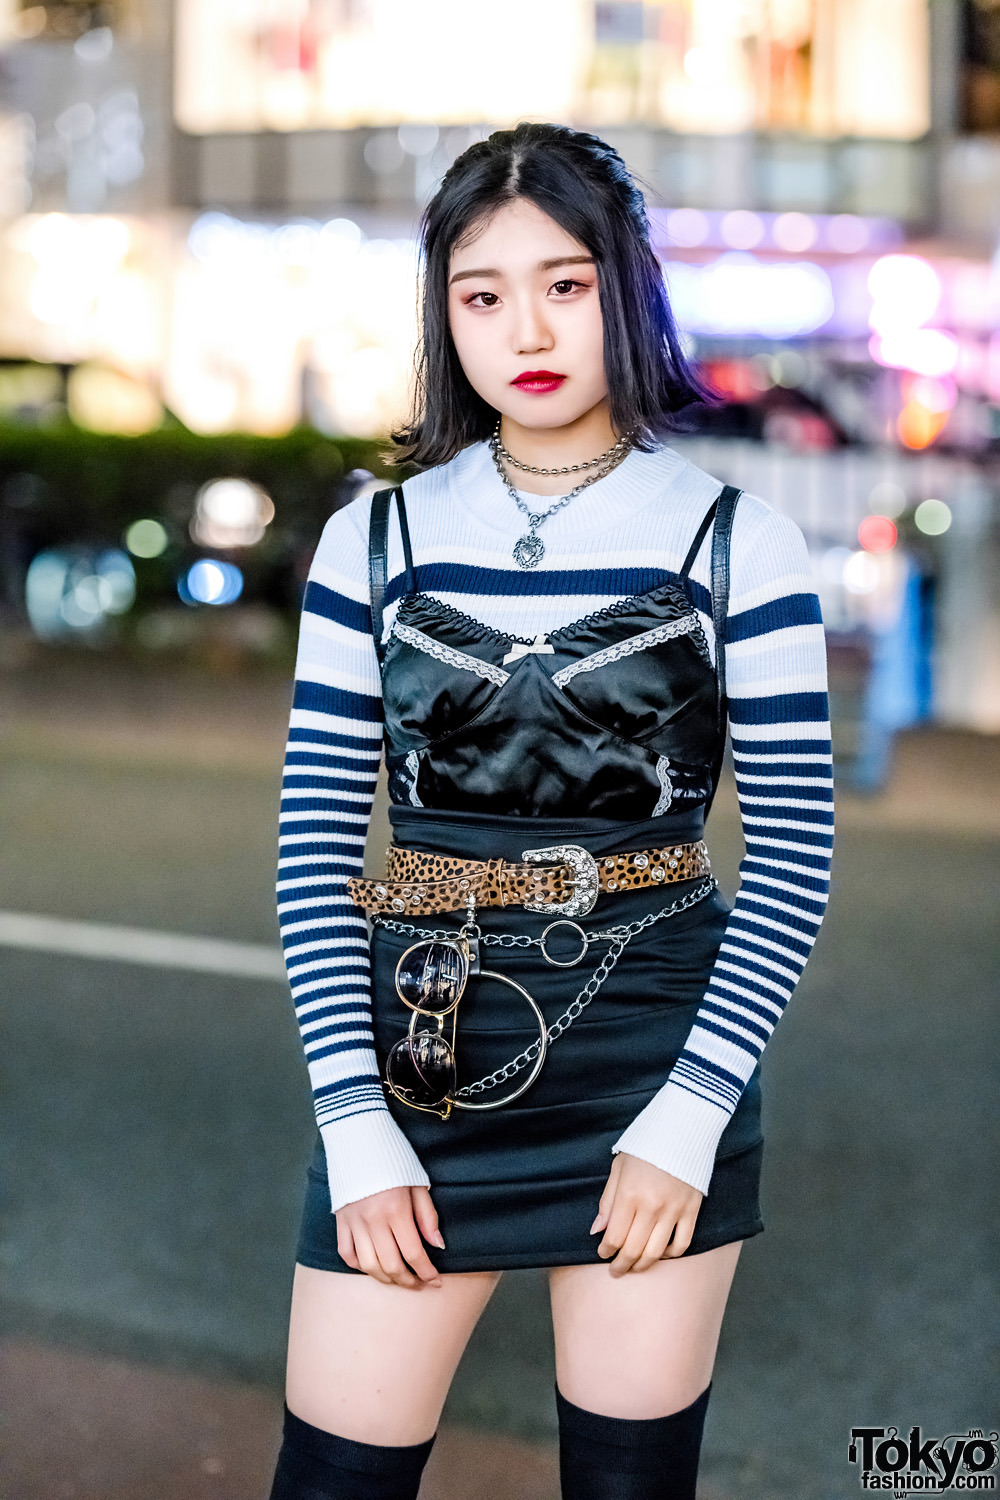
(617, 937)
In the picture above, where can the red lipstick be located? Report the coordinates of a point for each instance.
(538, 381)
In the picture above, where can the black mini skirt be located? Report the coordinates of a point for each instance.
(519, 1186)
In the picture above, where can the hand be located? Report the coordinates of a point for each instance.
(381, 1235)
(640, 1208)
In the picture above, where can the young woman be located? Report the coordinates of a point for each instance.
(544, 669)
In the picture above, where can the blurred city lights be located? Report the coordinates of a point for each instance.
(231, 513)
(916, 427)
(861, 573)
(737, 293)
(742, 229)
(887, 499)
(146, 538)
(925, 351)
(210, 581)
(795, 232)
(906, 290)
(833, 563)
(847, 234)
(72, 590)
(932, 517)
(688, 227)
(877, 534)
(936, 395)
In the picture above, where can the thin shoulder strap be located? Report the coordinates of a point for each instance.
(725, 509)
(404, 535)
(700, 535)
(378, 549)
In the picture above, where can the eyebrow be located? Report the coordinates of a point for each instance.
(543, 265)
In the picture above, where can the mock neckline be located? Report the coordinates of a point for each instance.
(638, 480)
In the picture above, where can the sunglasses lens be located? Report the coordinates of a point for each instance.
(430, 976)
(421, 1069)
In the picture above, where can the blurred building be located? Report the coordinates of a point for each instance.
(209, 208)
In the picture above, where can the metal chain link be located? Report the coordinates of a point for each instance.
(618, 937)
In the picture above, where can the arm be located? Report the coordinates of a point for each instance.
(331, 765)
(776, 672)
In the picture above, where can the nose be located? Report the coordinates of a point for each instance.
(531, 332)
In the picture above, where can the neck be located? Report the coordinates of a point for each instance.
(586, 437)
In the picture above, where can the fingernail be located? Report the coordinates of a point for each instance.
(436, 1239)
(597, 1224)
(436, 1282)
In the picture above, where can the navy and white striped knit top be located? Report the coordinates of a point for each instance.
(624, 535)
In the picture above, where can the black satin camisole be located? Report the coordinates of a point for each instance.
(613, 716)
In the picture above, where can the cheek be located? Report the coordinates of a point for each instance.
(587, 335)
(473, 343)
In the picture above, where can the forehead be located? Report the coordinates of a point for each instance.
(515, 236)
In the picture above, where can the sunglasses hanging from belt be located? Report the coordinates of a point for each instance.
(431, 978)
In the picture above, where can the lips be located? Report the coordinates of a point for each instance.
(538, 381)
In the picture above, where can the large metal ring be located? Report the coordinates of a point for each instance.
(543, 1034)
(564, 963)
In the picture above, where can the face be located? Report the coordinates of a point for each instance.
(525, 317)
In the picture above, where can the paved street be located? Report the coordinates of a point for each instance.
(156, 1125)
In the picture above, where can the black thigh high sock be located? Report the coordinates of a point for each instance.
(318, 1465)
(614, 1458)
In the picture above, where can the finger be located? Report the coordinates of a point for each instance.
(656, 1244)
(682, 1234)
(607, 1197)
(635, 1244)
(368, 1260)
(411, 1247)
(345, 1246)
(425, 1216)
(390, 1259)
(619, 1224)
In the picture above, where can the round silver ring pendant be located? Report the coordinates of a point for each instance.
(543, 1037)
(564, 963)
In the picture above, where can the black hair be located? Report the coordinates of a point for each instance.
(584, 185)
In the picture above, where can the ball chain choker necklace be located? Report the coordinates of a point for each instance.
(530, 549)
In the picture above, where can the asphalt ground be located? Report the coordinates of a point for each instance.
(155, 1126)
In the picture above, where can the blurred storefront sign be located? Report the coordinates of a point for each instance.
(838, 67)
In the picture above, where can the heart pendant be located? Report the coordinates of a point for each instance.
(529, 551)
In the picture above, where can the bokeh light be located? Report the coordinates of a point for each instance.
(146, 538)
(73, 590)
(917, 427)
(877, 534)
(231, 513)
(211, 581)
(932, 517)
(861, 573)
(906, 290)
(887, 498)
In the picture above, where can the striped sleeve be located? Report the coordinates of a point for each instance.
(779, 724)
(331, 764)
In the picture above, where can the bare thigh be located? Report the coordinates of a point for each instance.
(374, 1362)
(642, 1344)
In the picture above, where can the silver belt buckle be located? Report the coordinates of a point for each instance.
(586, 881)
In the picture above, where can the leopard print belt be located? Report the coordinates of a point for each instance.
(562, 878)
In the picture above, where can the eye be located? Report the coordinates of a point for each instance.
(566, 286)
(473, 301)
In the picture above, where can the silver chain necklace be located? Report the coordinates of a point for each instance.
(590, 463)
(530, 549)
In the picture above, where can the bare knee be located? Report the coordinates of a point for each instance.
(375, 1362)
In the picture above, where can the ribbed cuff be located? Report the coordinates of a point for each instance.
(366, 1154)
(678, 1132)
